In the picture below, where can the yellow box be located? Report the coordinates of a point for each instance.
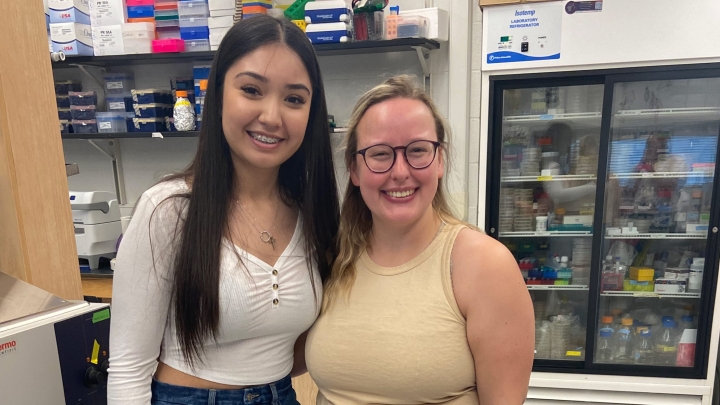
(642, 274)
(300, 23)
(641, 286)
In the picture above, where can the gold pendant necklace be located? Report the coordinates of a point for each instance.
(265, 236)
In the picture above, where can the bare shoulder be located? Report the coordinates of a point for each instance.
(483, 270)
(481, 252)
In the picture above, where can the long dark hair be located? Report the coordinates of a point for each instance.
(306, 180)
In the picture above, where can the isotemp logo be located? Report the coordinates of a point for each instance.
(519, 13)
(8, 347)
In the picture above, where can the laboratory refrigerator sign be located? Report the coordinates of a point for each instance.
(524, 33)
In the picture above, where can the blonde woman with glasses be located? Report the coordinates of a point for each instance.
(420, 307)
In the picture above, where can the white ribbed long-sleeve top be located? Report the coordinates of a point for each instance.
(259, 323)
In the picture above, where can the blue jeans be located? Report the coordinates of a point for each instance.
(278, 393)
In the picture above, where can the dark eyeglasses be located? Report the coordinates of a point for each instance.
(418, 154)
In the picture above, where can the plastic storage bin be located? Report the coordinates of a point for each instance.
(149, 125)
(193, 8)
(192, 33)
(168, 33)
(83, 112)
(141, 12)
(118, 84)
(152, 110)
(62, 101)
(328, 33)
(134, 3)
(197, 45)
(119, 104)
(129, 125)
(167, 24)
(412, 27)
(166, 5)
(111, 122)
(165, 15)
(149, 20)
(84, 127)
(168, 45)
(82, 98)
(64, 87)
(193, 21)
(151, 96)
(64, 114)
(180, 83)
(327, 11)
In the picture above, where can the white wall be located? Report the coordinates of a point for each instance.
(145, 161)
(475, 162)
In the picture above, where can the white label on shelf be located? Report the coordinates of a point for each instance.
(157, 135)
(104, 125)
(117, 105)
(114, 85)
(646, 174)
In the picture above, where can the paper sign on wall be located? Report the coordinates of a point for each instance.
(524, 33)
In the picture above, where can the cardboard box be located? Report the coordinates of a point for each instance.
(670, 285)
(107, 12)
(220, 22)
(223, 13)
(108, 40)
(642, 273)
(221, 4)
(585, 220)
(69, 11)
(72, 38)
(484, 3)
(217, 35)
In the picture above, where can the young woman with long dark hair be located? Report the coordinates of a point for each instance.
(220, 271)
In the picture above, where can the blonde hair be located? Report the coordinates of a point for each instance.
(355, 218)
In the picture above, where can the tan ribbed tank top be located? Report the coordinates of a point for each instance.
(400, 339)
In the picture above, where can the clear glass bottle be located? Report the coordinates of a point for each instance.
(623, 345)
(666, 342)
(643, 352)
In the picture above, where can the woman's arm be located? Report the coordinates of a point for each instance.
(140, 302)
(492, 296)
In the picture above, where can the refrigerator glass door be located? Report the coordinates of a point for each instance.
(663, 142)
(550, 138)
